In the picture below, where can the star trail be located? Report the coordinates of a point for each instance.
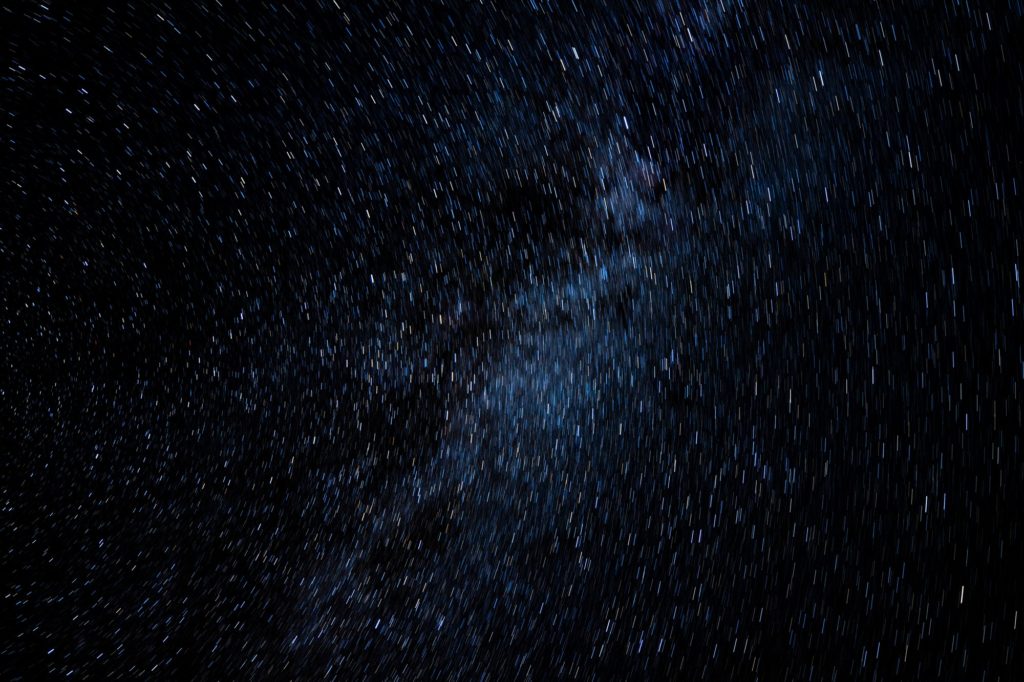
(527, 340)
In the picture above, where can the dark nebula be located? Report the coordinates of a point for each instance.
(526, 340)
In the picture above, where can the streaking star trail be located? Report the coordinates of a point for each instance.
(476, 340)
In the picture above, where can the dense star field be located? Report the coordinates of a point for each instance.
(486, 340)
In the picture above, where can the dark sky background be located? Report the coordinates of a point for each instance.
(491, 340)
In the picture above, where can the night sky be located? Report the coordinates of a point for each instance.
(498, 340)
